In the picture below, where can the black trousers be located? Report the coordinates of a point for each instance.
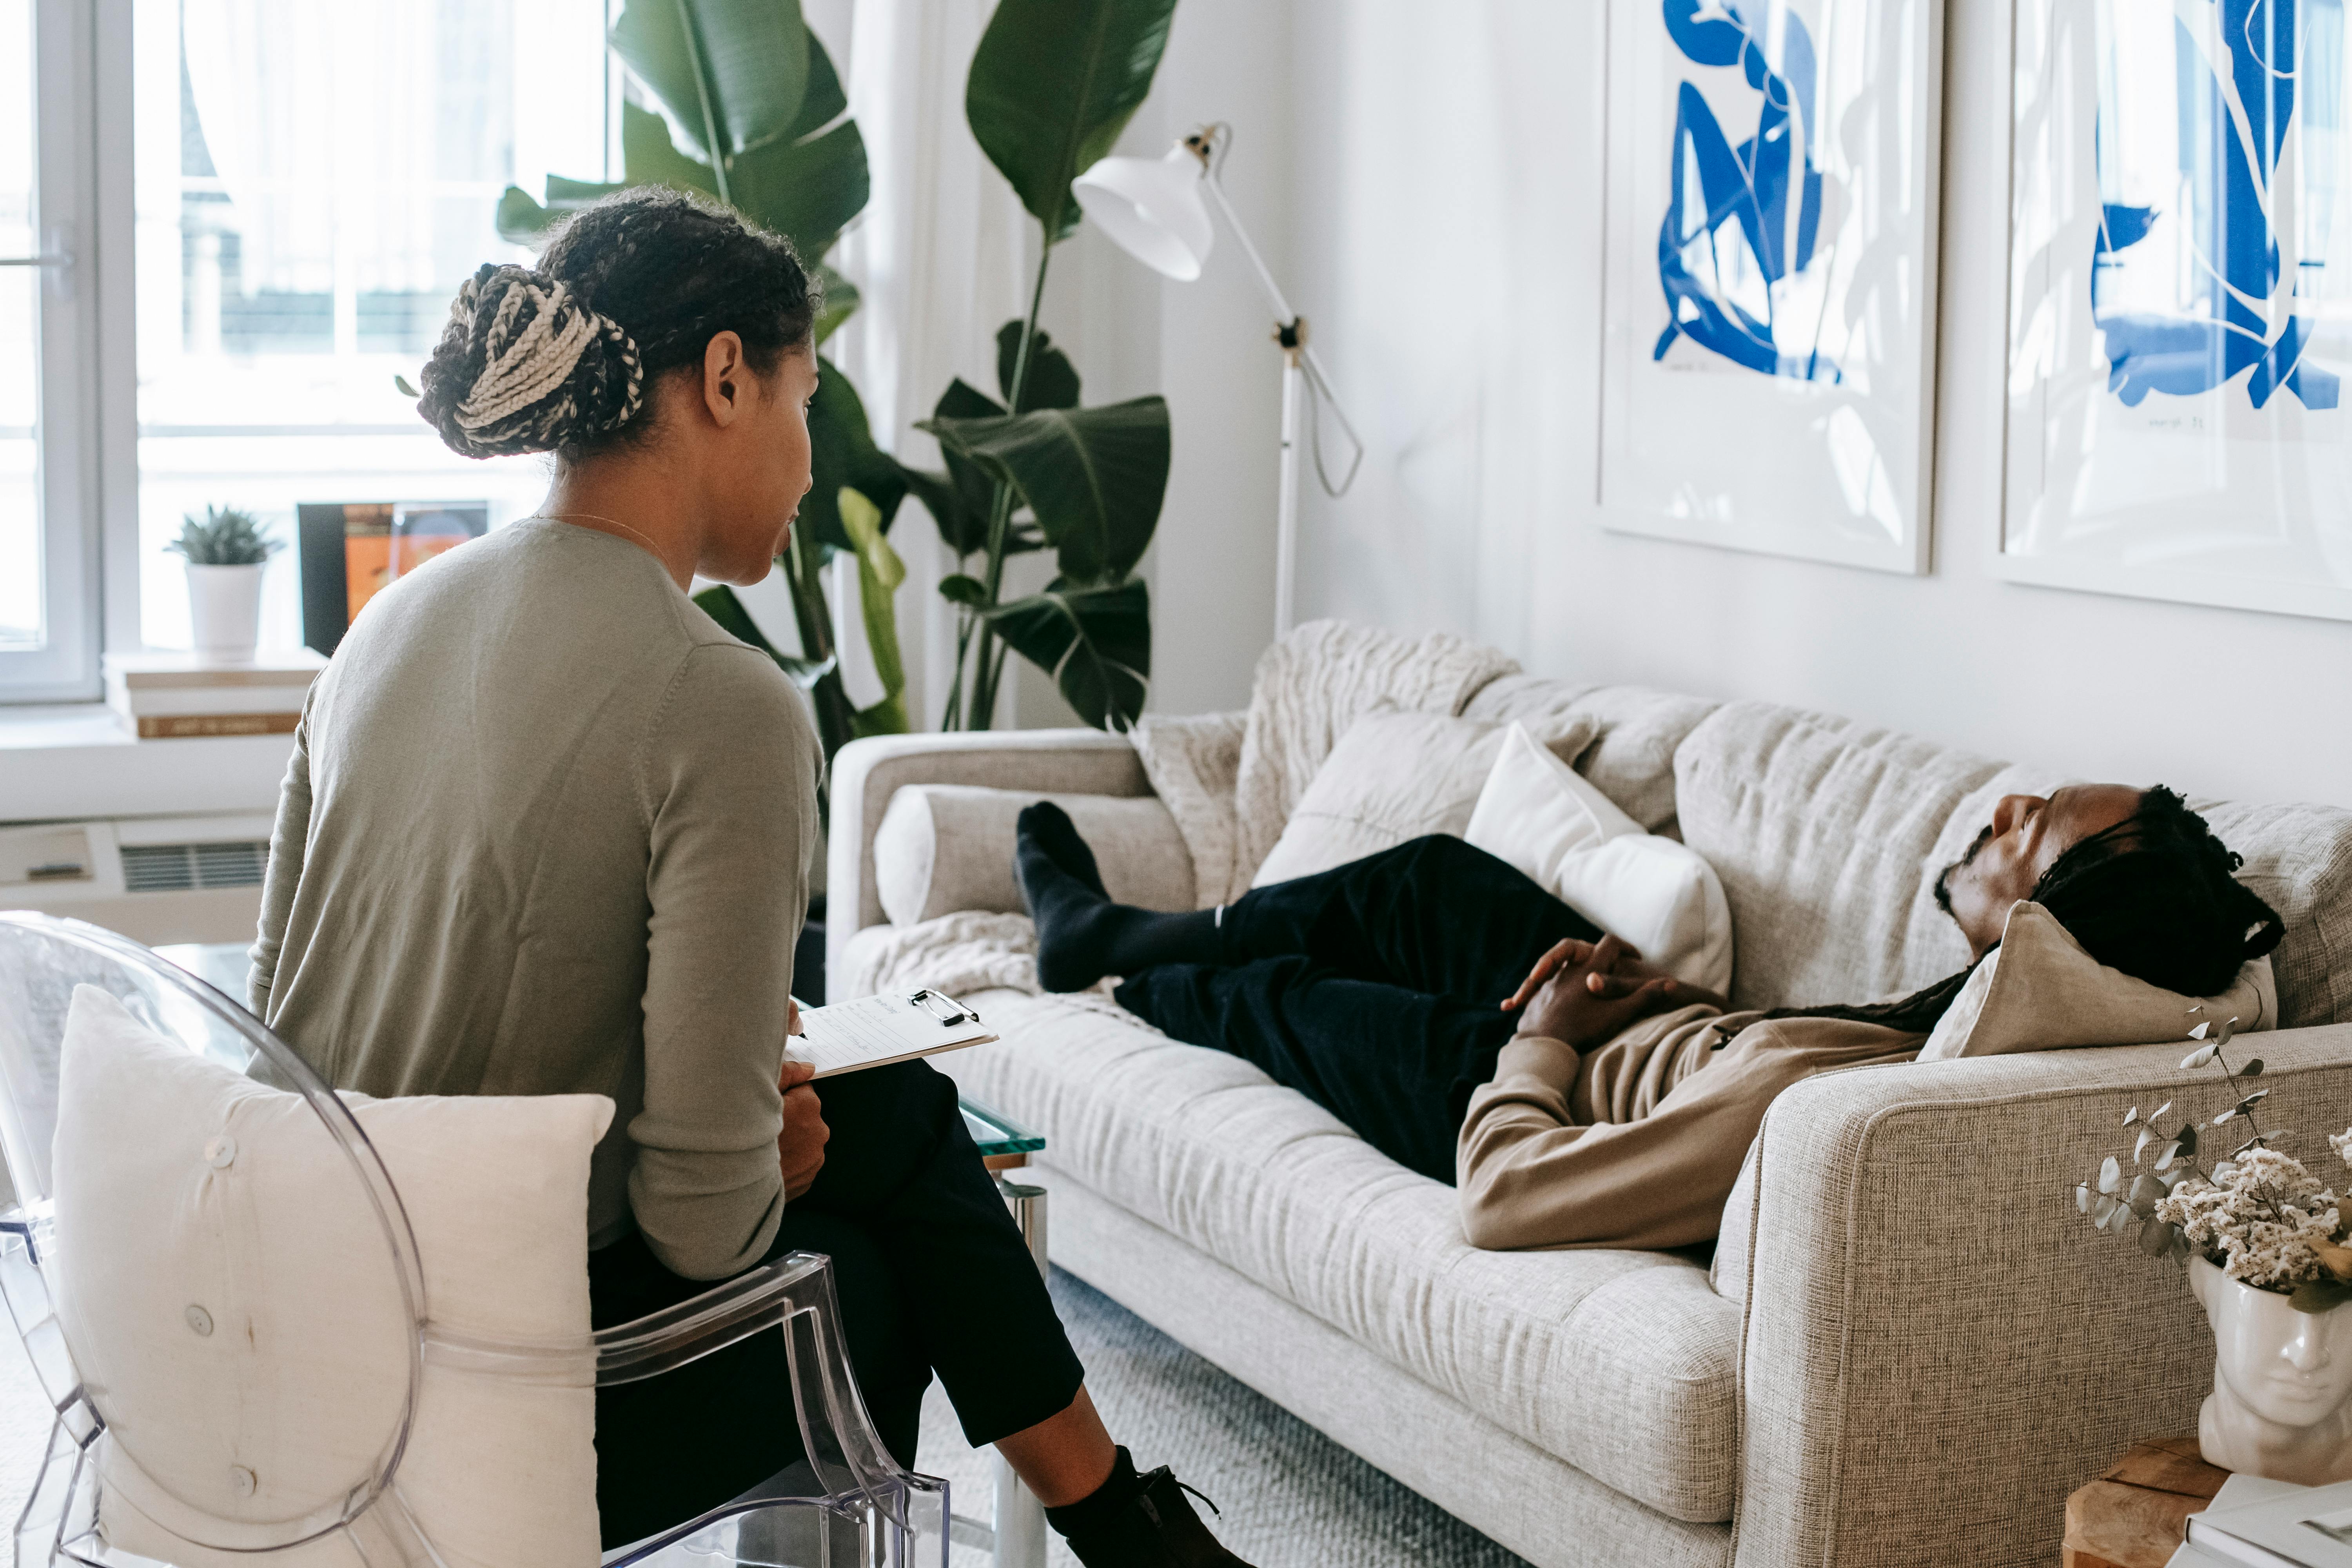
(1374, 989)
(931, 1274)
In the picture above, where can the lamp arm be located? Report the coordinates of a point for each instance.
(1284, 317)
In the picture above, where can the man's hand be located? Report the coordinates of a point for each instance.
(800, 1148)
(1593, 993)
(1627, 965)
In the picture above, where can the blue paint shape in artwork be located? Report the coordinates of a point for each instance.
(2229, 139)
(1741, 220)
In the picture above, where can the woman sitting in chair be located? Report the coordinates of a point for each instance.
(548, 829)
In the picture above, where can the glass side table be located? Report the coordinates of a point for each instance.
(1018, 1535)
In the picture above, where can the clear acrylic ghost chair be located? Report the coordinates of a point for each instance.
(846, 1505)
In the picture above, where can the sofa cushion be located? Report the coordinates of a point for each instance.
(1630, 758)
(1828, 835)
(946, 847)
(1622, 1363)
(1394, 776)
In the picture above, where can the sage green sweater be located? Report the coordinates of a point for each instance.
(547, 830)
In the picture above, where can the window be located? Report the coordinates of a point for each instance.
(48, 627)
(313, 184)
(209, 288)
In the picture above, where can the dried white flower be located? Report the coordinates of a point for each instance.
(2260, 1221)
(2342, 1143)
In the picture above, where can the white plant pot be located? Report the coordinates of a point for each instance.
(2282, 1400)
(224, 609)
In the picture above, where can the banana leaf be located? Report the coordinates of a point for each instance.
(1053, 84)
(1053, 379)
(733, 72)
(958, 499)
(1093, 477)
(1096, 642)
(842, 454)
(879, 573)
(807, 190)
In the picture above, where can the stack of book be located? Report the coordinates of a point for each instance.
(166, 696)
(2270, 1524)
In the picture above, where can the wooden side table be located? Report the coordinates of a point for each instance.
(2137, 1515)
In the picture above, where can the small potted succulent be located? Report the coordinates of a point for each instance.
(2269, 1249)
(226, 550)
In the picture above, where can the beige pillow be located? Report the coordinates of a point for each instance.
(1393, 776)
(945, 848)
(2038, 991)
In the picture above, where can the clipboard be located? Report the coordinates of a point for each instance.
(874, 1031)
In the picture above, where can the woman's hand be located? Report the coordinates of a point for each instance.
(800, 1148)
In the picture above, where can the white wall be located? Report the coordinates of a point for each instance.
(1440, 223)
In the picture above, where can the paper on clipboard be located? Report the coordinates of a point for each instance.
(874, 1031)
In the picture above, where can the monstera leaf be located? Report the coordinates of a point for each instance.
(842, 454)
(733, 72)
(1093, 477)
(1053, 84)
(1096, 643)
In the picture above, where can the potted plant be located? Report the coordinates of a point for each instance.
(226, 550)
(2264, 1239)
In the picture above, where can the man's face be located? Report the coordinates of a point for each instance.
(2024, 839)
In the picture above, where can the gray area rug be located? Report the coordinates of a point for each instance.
(1292, 1497)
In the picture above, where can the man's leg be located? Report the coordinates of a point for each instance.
(1398, 1066)
(1435, 914)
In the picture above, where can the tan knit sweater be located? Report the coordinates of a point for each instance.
(1637, 1143)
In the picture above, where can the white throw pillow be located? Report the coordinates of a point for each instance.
(1536, 813)
(1394, 776)
(223, 1281)
(2038, 991)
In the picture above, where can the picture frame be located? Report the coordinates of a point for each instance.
(2178, 255)
(1769, 227)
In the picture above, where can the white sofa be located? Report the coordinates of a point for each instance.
(1909, 1349)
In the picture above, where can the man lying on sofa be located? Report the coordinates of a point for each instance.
(1600, 1103)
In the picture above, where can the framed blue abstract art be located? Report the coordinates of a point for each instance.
(2180, 302)
(1768, 342)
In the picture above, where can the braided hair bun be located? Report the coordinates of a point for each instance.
(564, 357)
(524, 366)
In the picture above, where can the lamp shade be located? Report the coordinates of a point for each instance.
(1152, 208)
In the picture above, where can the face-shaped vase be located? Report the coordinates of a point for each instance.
(2282, 1380)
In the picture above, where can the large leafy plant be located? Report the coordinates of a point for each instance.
(764, 127)
(1052, 85)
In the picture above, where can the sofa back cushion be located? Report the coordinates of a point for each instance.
(943, 849)
(1636, 731)
(1828, 835)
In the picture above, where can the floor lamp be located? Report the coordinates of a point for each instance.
(1152, 209)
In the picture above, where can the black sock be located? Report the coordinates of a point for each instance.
(1081, 934)
(1101, 1507)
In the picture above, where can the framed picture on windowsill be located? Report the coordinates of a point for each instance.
(1770, 228)
(2179, 259)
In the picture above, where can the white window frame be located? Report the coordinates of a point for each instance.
(66, 35)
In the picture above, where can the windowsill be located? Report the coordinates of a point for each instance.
(73, 760)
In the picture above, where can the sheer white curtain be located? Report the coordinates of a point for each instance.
(943, 257)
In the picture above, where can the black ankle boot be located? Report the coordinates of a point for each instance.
(1157, 1529)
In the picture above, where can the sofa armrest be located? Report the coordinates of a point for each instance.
(866, 773)
(1937, 1347)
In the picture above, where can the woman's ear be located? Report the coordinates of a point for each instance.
(724, 375)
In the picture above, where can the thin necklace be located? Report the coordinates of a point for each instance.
(616, 522)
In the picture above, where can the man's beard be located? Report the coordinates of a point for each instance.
(1944, 877)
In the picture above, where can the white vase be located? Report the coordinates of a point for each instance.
(224, 609)
(2282, 1400)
